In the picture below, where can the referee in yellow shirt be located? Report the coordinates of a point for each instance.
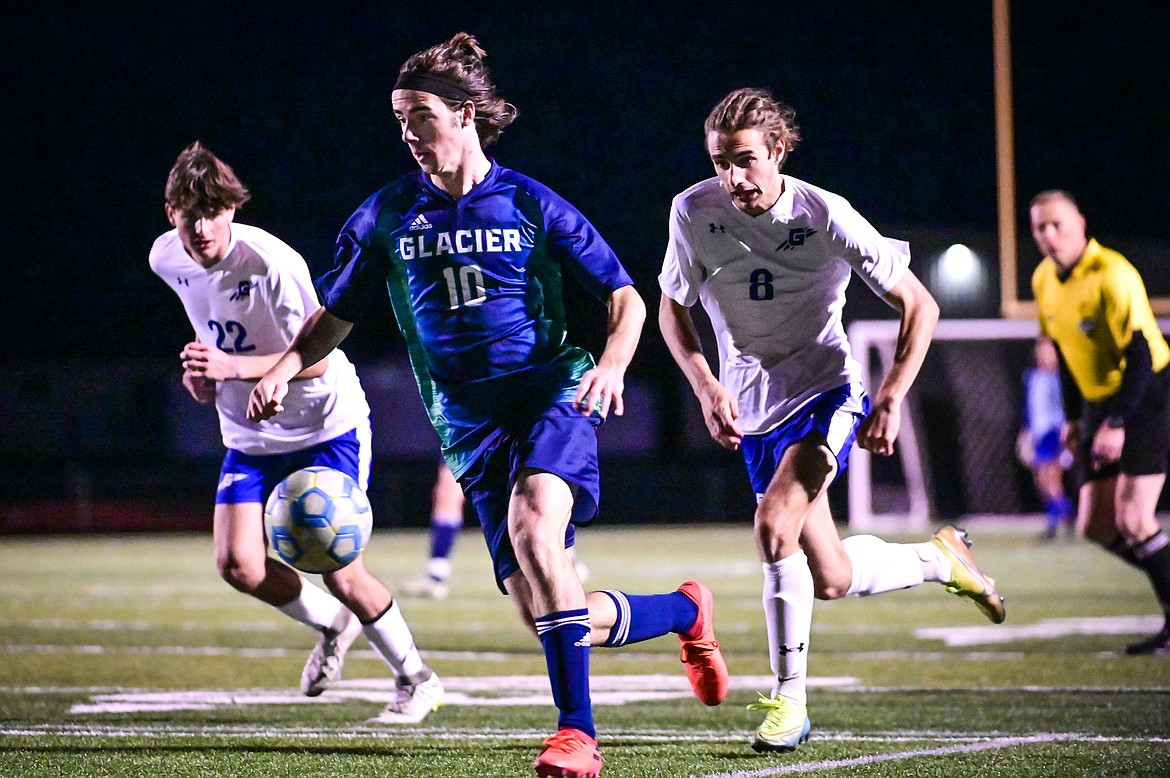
(1093, 305)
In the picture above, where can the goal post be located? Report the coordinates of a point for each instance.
(873, 343)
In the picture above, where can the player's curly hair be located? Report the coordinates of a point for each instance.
(461, 60)
(753, 108)
(203, 183)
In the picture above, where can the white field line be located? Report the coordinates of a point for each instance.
(140, 625)
(1046, 629)
(967, 748)
(473, 691)
(471, 656)
(959, 742)
(953, 636)
(260, 653)
(482, 692)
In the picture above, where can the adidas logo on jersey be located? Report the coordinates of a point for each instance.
(420, 223)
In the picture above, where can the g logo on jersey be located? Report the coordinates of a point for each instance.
(243, 290)
(796, 237)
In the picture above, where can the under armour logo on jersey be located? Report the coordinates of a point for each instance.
(420, 223)
(1088, 326)
(796, 237)
(786, 650)
(243, 289)
(717, 227)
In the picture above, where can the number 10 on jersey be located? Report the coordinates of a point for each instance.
(468, 289)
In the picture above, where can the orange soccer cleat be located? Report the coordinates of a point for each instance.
(570, 753)
(706, 669)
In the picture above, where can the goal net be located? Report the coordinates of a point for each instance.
(955, 454)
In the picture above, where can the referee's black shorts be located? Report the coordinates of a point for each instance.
(1147, 435)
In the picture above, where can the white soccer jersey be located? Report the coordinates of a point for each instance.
(774, 288)
(253, 302)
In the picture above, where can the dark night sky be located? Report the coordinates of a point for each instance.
(895, 102)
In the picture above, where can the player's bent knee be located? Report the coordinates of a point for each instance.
(242, 576)
(830, 591)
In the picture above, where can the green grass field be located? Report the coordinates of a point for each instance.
(127, 656)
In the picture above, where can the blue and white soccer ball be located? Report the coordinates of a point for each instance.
(318, 520)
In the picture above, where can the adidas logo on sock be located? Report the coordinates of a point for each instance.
(420, 223)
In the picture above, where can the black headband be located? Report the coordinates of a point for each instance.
(436, 85)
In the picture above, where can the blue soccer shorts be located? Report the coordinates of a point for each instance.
(252, 477)
(560, 441)
(1047, 447)
(835, 415)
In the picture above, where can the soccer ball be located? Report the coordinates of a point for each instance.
(318, 520)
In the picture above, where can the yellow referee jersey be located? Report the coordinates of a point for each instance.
(1092, 316)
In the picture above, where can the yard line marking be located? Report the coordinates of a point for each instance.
(1012, 689)
(1044, 630)
(965, 742)
(502, 691)
(833, 764)
(479, 656)
(263, 653)
(139, 625)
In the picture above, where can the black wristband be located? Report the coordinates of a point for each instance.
(1115, 422)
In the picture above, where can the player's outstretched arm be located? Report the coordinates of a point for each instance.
(919, 315)
(605, 383)
(321, 333)
(720, 408)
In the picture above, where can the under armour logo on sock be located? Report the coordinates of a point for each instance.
(786, 650)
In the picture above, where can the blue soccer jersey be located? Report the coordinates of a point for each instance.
(476, 287)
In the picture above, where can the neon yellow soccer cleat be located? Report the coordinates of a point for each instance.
(785, 727)
(966, 580)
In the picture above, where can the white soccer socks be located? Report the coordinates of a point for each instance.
(314, 607)
(788, 605)
(879, 566)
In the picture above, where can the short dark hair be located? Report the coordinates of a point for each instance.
(203, 183)
(461, 61)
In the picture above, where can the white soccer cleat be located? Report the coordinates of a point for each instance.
(412, 702)
(425, 586)
(325, 663)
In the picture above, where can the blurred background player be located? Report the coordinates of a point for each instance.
(770, 256)
(1040, 443)
(246, 294)
(1092, 303)
(447, 505)
(474, 255)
